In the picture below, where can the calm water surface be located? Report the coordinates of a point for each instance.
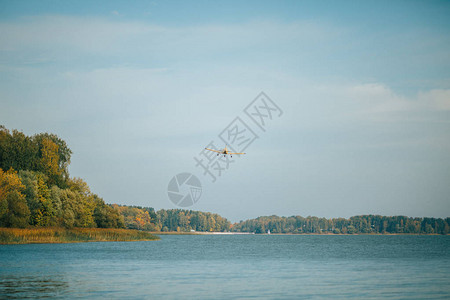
(232, 266)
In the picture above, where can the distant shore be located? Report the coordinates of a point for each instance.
(251, 233)
(54, 235)
(75, 235)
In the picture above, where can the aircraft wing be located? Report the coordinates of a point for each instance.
(213, 150)
(235, 153)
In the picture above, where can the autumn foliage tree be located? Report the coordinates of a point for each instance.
(42, 193)
(49, 160)
(14, 211)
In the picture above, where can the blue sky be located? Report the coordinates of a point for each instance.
(138, 88)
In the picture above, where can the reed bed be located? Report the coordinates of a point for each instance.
(74, 235)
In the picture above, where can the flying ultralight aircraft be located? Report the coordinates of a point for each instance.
(224, 151)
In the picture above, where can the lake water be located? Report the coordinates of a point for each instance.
(232, 266)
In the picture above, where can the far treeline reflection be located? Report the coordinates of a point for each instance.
(37, 191)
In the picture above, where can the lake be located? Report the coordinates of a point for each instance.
(232, 267)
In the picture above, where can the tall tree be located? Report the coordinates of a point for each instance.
(17, 150)
(50, 160)
(64, 154)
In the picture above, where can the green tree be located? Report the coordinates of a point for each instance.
(17, 150)
(106, 216)
(45, 212)
(14, 211)
(61, 175)
(49, 160)
(30, 181)
(18, 212)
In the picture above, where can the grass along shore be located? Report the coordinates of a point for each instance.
(74, 235)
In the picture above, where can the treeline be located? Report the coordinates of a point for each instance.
(179, 220)
(358, 224)
(36, 190)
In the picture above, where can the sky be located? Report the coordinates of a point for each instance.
(138, 88)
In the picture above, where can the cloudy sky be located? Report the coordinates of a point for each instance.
(138, 88)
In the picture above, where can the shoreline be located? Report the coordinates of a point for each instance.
(57, 235)
(251, 233)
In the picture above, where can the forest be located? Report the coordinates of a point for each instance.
(367, 224)
(165, 220)
(36, 191)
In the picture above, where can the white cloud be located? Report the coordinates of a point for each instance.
(377, 99)
(437, 99)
